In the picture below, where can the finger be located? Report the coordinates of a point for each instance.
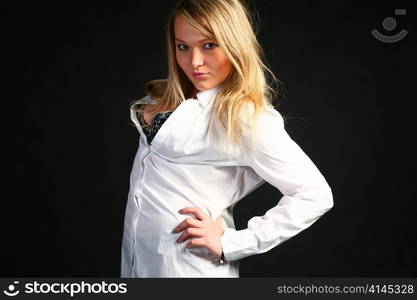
(200, 215)
(188, 222)
(188, 233)
(219, 220)
(196, 242)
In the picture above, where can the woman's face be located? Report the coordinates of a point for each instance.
(195, 53)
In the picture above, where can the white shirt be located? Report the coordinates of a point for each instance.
(183, 167)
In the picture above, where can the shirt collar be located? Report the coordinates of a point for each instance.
(206, 96)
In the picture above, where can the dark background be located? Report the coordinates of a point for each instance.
(70, 70)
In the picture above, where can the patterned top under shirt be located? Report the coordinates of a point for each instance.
(151, 130)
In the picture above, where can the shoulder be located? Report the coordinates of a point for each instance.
(142, 104)
(263, 130)
(145, 100)
(265, 119)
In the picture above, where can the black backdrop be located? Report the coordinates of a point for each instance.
(70, 70)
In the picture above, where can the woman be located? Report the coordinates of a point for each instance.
(209, 136)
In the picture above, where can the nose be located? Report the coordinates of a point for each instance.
(197, 58)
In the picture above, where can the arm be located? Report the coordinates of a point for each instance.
(306, 194)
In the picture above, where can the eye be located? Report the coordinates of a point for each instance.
(179, 47)
(182, 47)
(214, 45)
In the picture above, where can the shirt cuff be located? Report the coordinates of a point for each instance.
(238, 244)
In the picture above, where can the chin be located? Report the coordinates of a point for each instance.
(203, 85)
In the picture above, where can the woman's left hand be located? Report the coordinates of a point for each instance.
(207, 232)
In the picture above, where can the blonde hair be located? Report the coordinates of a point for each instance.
(246, 90)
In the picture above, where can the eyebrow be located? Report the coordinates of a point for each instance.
(203, 40)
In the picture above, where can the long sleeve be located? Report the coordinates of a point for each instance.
(306, 194)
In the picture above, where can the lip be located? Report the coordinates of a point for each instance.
(199, 75)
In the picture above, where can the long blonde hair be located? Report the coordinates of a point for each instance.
(230, 24)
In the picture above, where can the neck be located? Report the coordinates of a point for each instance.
(194, 93)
